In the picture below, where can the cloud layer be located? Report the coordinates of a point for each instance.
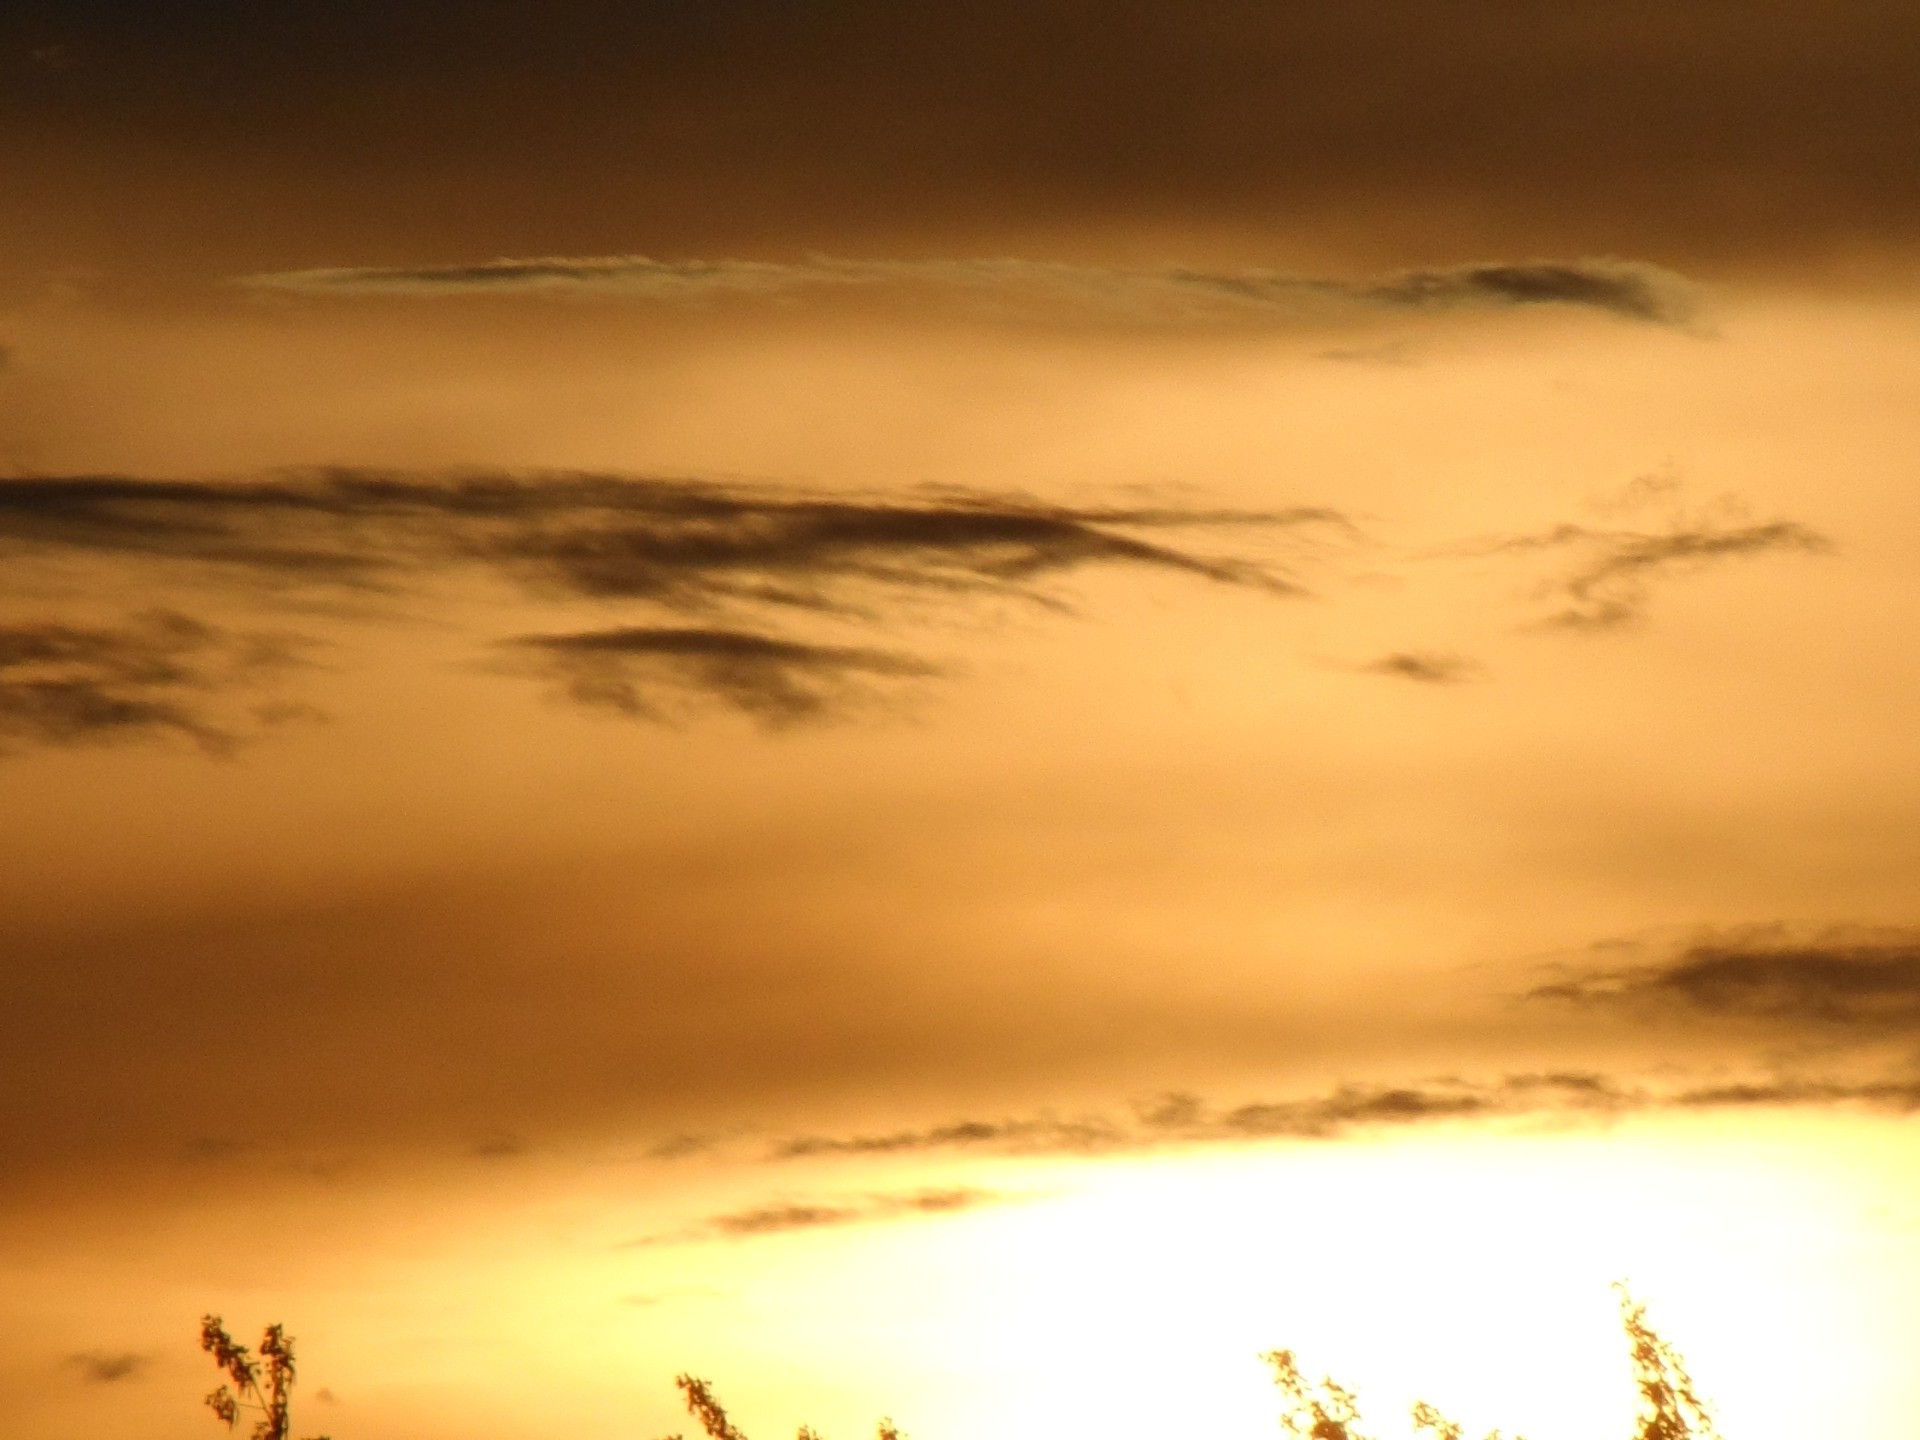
(1168, 294)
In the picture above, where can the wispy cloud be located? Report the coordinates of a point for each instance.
(162, 673)
(749, 557)
(1610, 573)
(681, 543)
(1621, 288)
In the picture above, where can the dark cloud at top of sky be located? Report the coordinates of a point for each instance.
(589, 126)
(1636, 292)
(1870, 984)
(161, 674)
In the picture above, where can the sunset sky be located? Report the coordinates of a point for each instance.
(959, 711)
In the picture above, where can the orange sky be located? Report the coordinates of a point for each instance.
(957, 719)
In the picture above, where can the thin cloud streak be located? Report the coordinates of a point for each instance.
(682, 544)
(1179, 1118)
(1169, 294)
(781, 1217)
(637, 671)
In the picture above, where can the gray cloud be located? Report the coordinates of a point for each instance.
(639, 671)
(1167, 294)
(160, 674)
(1870, 984)
(103, 1367)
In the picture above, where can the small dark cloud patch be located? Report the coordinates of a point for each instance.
(498, 1147)
(108, 1367)
(1425, 667)
(643, 671)
(1171, 294)
(1867, 984)
(160, 674)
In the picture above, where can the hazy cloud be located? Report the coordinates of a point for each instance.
(1834, 983)
(1170, 293)
(103, 1367)
(162, 673)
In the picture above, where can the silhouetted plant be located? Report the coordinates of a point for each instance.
(706, 1408)
(265, 1385)
(1670, 1408)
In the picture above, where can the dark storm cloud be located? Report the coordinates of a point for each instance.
(672, 547)
(161, 674)
(1630, 291)
(108, 1367)
(1871, 985)
(1425, 667)
(1413, 129)
(637, 671)
(1610, 581)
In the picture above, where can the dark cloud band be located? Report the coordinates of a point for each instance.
(1624, 289)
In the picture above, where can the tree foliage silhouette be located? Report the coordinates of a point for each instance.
(1670, 1407)
(264, 1385)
